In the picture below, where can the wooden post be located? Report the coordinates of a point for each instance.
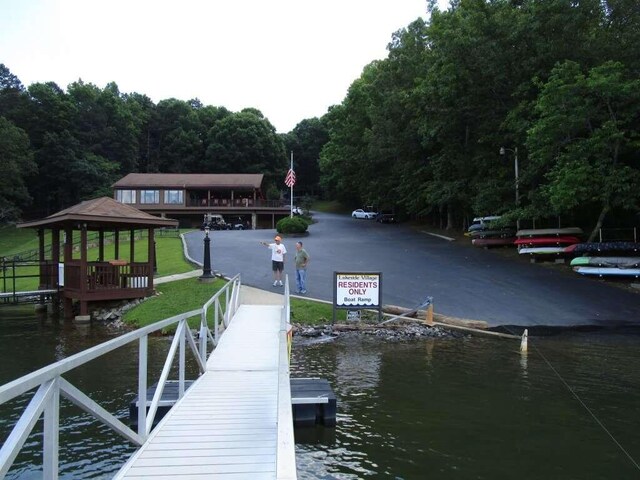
(429, 315)
(151, 257)
(116, 243)
(68, 258)
(43, 280)
(132, 247)
(101, 245)
(55, 256)
(84, 276)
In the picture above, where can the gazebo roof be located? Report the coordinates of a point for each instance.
(100, 213)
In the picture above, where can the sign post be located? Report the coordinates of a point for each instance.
(357, 290)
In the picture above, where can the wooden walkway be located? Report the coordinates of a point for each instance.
(235, 421)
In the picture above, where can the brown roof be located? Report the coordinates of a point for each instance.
(101, 212)
(190, 180)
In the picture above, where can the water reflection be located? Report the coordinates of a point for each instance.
(464, 408)
(477, 408)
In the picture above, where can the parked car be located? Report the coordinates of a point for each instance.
(214, 221)
(386, 217)
(360, 213)
(296, 210)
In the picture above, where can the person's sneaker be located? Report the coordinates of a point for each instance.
(280, 282)
(297, 291)
(303, 292)
(275, 283)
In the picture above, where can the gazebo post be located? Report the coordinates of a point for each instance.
(55, 256)
(68, 258)
(84, 305)
(55, 280)
(151, 257)
(101, 245)
(132, 246)
(41, 258)
(116, 243)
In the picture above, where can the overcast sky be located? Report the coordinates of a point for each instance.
(291, 59)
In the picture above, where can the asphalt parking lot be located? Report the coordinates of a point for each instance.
(464, 281)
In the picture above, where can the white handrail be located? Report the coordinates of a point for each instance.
(285, 450)
(51, 384)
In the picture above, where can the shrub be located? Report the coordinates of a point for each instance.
(292, 225)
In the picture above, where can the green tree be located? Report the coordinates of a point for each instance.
(306, 142)
(246, 142)
(17, 163)
(585, 140)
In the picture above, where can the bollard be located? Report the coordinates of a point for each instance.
(523, 342)
(429, 314)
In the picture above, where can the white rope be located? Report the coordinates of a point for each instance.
(584, 405)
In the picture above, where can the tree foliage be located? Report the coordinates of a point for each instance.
(419, 131)
(556, 79)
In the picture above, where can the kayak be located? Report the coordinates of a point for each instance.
(549, 232)
(608, 271)
(608, 262)
(540, 250)
(598, 247)
(490, 242)
(491, 233)
(545, 240)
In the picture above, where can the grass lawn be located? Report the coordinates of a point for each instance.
(174, 298)
(190, 294)
(16, 240)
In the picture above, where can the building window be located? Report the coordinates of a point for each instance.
(126, 196)
(173, 197)
(149, 196)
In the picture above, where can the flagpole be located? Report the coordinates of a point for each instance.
(291, 209)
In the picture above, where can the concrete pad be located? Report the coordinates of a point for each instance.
(177, 276)
(256, 296)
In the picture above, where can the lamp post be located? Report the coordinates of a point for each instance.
(503, 151)
(207, 276)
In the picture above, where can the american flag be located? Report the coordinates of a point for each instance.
(290, 179)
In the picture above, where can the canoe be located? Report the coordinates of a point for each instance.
(491, 242)
(608, 271)
(607, 262)
(540, 250)
(547, 240)
(549, 232)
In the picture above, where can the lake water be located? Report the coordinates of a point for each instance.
(463, 408)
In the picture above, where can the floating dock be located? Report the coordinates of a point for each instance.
(312, 400)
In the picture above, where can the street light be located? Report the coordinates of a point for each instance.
(503, 151)
(207, 276)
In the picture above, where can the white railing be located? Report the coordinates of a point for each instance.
(51, 385)
(285, 453)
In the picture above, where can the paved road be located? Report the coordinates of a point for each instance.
(464, 281)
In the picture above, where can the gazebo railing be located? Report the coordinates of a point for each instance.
(51, 385)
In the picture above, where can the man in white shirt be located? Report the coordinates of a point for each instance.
(278, 252)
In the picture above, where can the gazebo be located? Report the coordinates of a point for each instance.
(104, 279)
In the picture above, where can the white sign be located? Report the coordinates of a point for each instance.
(358, 289)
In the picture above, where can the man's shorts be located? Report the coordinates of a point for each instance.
(277, 266)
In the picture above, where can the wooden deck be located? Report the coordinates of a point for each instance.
(231, 423)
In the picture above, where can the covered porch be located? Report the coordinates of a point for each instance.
(102, 279)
